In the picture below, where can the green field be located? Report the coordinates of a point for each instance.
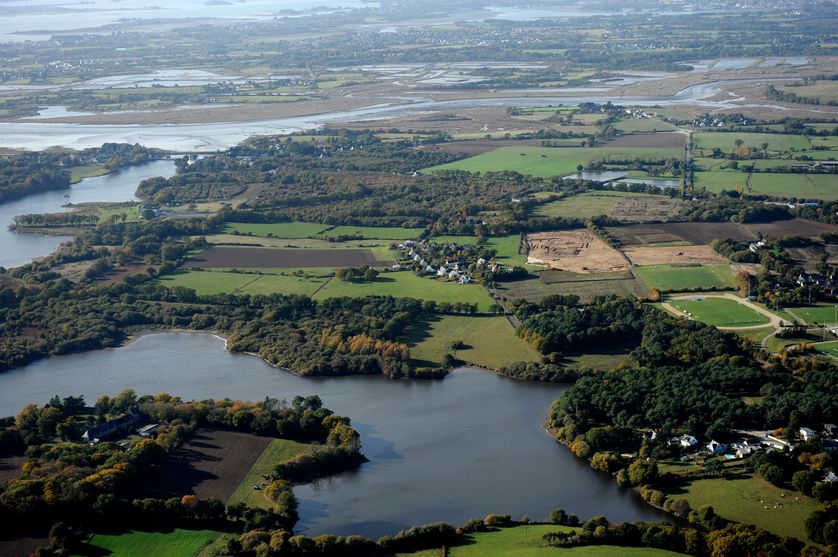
(829, 348)
(756, 335)
(546, 162)
(490, 342)
(405, 284)
(312, 230)
(375, 232)
(588, 204)
(752, 500)
(220, 282)
(278, 451)
(668, 278)
(79, 173)
(725, 141)
(808, 186)
(177, 543)
(526, 541)
(720, 312)
(819, 314)
(279, 229)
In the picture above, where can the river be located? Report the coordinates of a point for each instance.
(18, 249)
(463, 447)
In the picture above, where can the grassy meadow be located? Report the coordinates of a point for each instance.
(588, 204)
(807, 186)
(752, 500)
(177, 543)
(222, 282)
(490, 342)
(670, 278)
(506, 247)
(547, 162)
(404, 284)
(526, 541)
(278, 451)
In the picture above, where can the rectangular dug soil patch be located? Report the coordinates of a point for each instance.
(672, 255)
(578, 251)
(212, 463)
(267, 258)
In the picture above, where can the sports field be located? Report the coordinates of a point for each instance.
(720, 312)
(752, 500)
(526, 541)
(829, 348)
(490, 342)
(220, 282)
(668, 278)
(819, 314)
(177, 543)
(405, 284)
(546, 162)
(278, 451)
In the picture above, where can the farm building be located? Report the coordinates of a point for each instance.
(107, 429)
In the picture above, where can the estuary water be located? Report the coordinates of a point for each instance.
(18, 249)
(218, 136)
(462, 447)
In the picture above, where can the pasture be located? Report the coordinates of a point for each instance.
(752, 500)
(588, 204)
(211, 463)
(279, 450)
(547, 162)
(221, 282)
(668, 278)
(404, 284)
(720, 312)
(777, 143)
(585, 286)
(489, 342)
(176, 543)
(526, 541)
(775, 184)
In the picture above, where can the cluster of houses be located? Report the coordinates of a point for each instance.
(720, 121)
(750, 443)
(452, 268)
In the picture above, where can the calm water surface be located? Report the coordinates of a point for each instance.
(463, 447)
(17, 249)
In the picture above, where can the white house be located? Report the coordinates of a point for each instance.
(807, 433)
(686, 441)
(714, 447)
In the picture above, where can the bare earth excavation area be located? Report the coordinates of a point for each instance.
(672, 255)
(578, 251)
